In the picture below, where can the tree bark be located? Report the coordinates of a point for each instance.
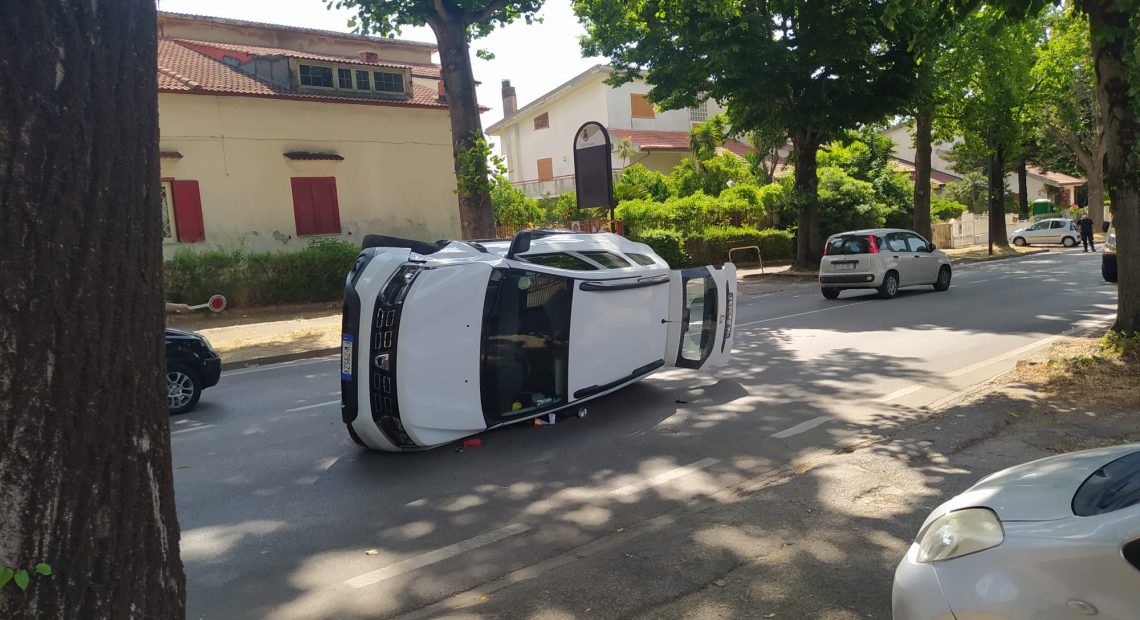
(923, 127)
(997, 200)
(476, 217)
(1109, 25)
(1022, 190)
(809, 247)
(1095, 177)
(85, 473)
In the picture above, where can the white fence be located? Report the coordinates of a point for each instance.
(970, 229)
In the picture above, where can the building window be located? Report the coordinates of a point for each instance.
(639, 106)
(546, 169)
(181, 211)
(344, 78)
(315, 206)
(388, 82)
(542, 121)
(700, 113)
(362, 81)
(313, 75)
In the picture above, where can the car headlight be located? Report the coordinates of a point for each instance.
(207, 345)
(959, 533)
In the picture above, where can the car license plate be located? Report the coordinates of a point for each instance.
(346, 358)
(844, 266)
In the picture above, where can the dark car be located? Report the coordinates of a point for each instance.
(191, 366)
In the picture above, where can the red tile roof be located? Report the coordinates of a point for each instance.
(937, 176)
(184, 69)
(418, 70)
(1058, 179)
(670, 140)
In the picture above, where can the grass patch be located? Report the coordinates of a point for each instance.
(1096, 372)
(981, 252)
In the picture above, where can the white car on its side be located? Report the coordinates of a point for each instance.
(1054, 230)
(885, 259)
(445, 340)
(1057, 538)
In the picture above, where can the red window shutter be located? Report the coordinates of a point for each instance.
(315, 205)
(188, 211)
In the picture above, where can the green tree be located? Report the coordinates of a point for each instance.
(455, 24)
(1068, 112)
(804, 67)
(970, 191)
(706, 138)
(625, 151)
(765, 158)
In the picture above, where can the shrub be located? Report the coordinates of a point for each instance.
(514, 208)
(644, 215)
(666, 243)
(316, 273)
(846, 203)
(712, 179)
(944, 209)
(741, 205)
(694, 213)
(712, 245)
(637, 180)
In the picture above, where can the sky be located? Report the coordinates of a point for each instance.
(535, 58)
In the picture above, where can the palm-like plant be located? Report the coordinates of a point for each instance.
(625, 150)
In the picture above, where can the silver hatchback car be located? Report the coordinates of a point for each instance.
(885, 259)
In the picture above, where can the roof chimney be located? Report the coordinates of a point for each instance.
(369, 57)
(510, 102)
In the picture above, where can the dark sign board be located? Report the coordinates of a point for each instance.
(593, 174)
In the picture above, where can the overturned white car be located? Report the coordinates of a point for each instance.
(445, 340)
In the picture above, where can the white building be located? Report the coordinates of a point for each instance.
(537, 140)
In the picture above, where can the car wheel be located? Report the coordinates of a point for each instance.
(1069, 242)
(183, 389)
(1019, 242)
(943, 281)
(890, 286)
(830, 292)
(355, 438)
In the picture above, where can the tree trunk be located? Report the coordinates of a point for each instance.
(1109, 25)
(923, 124)
(809, 247)
(476, 218)
(1023, 189)
(1095, 177)
(85, 474)
(997, 200)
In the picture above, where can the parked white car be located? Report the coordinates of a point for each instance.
(1056, 538)
(886, 259)
(442, 341)
(1055, 230)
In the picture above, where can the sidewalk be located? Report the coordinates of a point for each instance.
(272, 335)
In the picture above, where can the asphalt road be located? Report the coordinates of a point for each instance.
(282, 516)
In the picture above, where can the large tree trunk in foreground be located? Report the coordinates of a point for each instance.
(997, 200)
(923, 124)
(1109, 24)
(85, 474)
(1095, 176)
(1022, 190)
(809, 247)
(476, 217)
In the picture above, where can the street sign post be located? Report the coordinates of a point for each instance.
(593, 170)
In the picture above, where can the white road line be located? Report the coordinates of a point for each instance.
(1014, 353)
(188, 430)
(898, 394)
(234, 373)
(662, 478)
(431, 557)
(789, 316)
(802, 427)
(331, 402)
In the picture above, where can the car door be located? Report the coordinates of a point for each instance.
(925, 262)
(899, 252)
(1055, 231)
(702, 317)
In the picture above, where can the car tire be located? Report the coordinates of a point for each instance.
(355, 438)
(1069, 242)
(943, 281)
(1019, 242)
(890, 286)
(183, 389)
(830, 292)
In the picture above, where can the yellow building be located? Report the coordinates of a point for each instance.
(274, 135)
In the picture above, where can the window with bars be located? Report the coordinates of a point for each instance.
(344, 78)
(699, 113)
(316, 75)
(388, 82)
(362, 82)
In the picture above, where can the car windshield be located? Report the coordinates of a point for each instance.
(841, 245)
(526, 330)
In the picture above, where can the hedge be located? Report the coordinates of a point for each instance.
(314, 274)
(666, 243)
(712, 245)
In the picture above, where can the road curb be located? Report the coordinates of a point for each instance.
(277, 359)
(970, 261)
(781, 275)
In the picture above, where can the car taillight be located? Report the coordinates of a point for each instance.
(825, 244)
(874, 248)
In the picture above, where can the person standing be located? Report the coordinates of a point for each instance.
(1086, 226)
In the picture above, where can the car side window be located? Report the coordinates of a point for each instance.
(1036, 226)
(896, 243)
(1057, 224)
(641, 259)
(609, 260)
(558, 260)
(917, 243)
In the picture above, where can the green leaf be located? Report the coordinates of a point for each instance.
(21, 580)
(43, 569)
(5, 575)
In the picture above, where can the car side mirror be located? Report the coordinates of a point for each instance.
(1104, 226)
(930, 247)
(520, 244)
